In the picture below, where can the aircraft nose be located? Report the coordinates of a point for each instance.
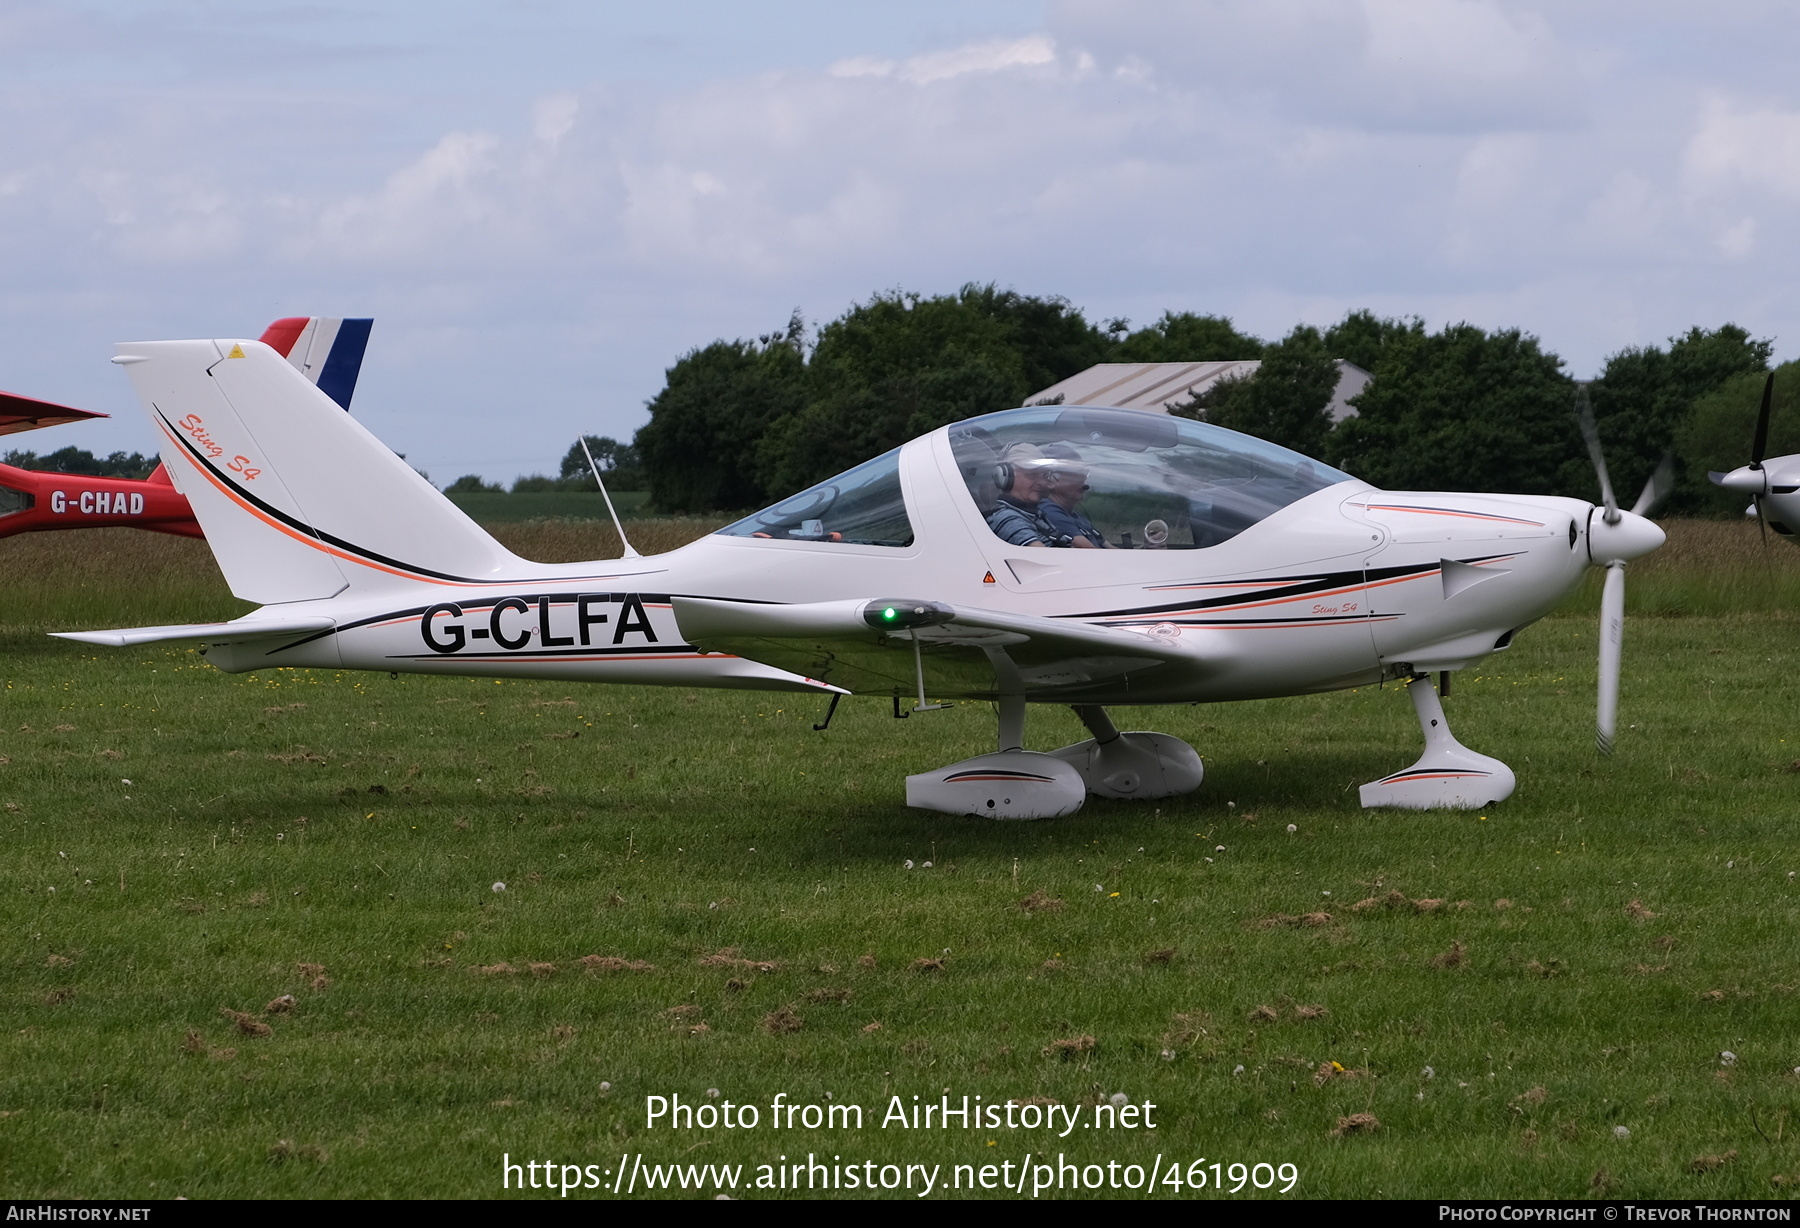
(1632, 537)
(1750, 481)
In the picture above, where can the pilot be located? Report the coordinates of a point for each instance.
(1016, 517)
(1064, 487)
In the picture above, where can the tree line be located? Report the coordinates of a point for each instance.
(80, 460)
(739, 424)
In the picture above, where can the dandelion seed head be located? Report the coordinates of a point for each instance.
(907, 864)
(1168, 1055)
(1430, 1073)
(712, 1093)
(498, 888)
(605, 1086)
(1238, 1071)
(1727, 1058)
(1118, 1098)
(1292, 828)
(1621, 1132)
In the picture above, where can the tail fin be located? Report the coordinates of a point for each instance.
(326, 351)
(298, 500)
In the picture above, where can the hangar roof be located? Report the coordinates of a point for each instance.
(1158, 385)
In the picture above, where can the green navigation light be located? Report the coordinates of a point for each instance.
(890, 613)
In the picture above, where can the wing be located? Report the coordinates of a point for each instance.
(965, 652)
(19, 413)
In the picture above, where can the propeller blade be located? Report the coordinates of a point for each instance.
(1591, 433)
(1612, 636)
(1658, 487)
(1762, 423)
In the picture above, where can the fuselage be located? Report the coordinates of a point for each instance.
(33, 501)
(1340, 588)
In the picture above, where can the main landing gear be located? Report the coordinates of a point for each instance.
(1448, 776)
(1014, 783)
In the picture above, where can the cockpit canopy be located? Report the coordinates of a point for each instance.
(1129, 478)
(1068, 475)
(862, 506)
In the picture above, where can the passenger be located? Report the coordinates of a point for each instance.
(1065, 486)
(1016, 517)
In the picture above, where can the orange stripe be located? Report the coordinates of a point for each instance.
(1444, 511)
(327, 548)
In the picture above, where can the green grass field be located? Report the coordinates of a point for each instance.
(1502, 993)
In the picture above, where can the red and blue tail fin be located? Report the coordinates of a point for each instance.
(328, 352)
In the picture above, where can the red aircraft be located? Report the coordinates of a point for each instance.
(328, 352)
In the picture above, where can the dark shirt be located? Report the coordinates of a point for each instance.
(1065, 523)
(1019, 524)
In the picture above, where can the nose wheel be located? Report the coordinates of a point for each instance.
(1448, 776)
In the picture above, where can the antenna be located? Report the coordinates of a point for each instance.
(623, 540)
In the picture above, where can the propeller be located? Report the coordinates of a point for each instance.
(1751, 479)
(1618, 538)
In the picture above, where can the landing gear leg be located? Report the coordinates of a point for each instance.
(1138, 765)
(1448, 776)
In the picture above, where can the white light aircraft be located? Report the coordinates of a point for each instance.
(1225, 568)
(1774, 484)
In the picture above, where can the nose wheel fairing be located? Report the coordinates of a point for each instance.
(1448, 776)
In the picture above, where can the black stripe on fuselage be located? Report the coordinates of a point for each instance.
(313, 531)
(1287, 588)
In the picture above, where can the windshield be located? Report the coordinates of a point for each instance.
(1075, 476)
(862, 507)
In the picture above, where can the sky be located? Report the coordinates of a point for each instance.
(544, 204)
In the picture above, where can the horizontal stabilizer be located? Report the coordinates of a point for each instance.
(238, 631)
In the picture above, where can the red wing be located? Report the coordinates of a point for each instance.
(19, 413)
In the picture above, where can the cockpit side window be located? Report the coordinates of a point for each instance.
(862, 507)
(14, 500)
(1083, 477)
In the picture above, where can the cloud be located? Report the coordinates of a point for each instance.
(988, 57)
(995, 55)
(1273, 161)
(450, 189)
(1406, 65)
(1744, 146)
